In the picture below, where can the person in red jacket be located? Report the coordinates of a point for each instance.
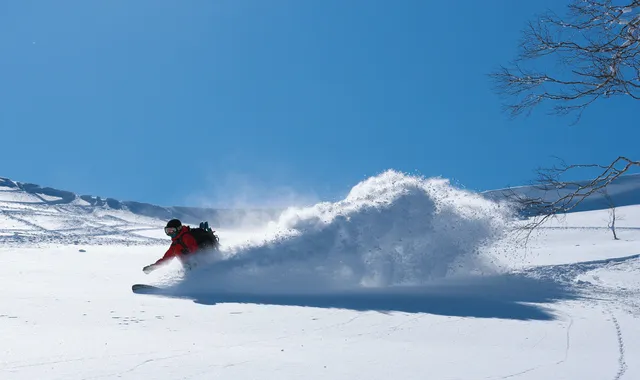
(182, 245)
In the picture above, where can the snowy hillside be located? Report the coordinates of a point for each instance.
(14, 194)
(30, 218)
(406, 278)
(624, 191)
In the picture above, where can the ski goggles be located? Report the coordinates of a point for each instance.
(170, 230)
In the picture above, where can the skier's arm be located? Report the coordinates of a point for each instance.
(171, 253)
(175, 249)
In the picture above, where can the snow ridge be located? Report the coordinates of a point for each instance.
(623, 191)
(14, 193)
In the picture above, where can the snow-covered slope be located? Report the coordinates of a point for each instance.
(624, 191)
(406, 278)
(35, 218)
(14, 194)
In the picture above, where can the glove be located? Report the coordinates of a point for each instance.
(149, 268)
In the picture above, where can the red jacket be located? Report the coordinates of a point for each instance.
(178, 250)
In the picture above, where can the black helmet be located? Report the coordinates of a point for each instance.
(175, 223)
(173, 227)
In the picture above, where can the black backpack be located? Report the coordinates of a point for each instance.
(204, 236)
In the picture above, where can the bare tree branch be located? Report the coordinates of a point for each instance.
(597, 46)
(590, 53)
(556, 196)
(612, 214)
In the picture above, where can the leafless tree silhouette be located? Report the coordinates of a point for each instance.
(612, 214)
(556, 196)
(597, 48)
(591, 53)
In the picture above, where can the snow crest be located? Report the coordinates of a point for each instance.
(391, 229)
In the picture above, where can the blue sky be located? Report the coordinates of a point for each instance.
(210, 101)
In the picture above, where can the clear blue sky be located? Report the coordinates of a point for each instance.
(170, 102)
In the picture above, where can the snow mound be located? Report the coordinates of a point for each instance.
(392, 229)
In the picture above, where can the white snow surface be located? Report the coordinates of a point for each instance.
(406, 278)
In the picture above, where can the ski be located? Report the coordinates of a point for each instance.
(145, 289)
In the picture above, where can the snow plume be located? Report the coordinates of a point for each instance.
(392, 229)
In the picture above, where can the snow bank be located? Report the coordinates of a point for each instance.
(392, 229)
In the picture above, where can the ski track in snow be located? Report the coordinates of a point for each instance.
(9, 366)
(207, 369)
(622, 364)
(568, 346)
(566, 354)
(599, 295)
(135, 367)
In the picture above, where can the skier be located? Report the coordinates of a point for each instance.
(185, 241)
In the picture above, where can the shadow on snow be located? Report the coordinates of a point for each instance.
(510, 296)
